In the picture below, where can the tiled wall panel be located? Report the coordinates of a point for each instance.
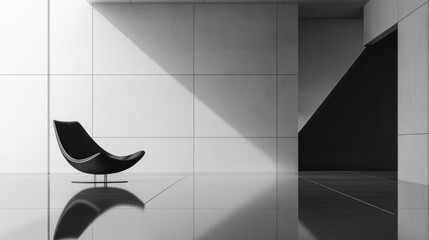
(235, 155)
(70, 37)
(413, 97)
(180, 81)
(287, 107)
(70, 100)
(163, 155)
(143, 106)
(406, 7)
(24, 124)
(235, 39)
(143, 39)
(379, 16)
(412, 73)
(413, 158)
(235, 106)
(24, 37)
(287, 39)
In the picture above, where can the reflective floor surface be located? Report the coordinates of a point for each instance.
(313, 206)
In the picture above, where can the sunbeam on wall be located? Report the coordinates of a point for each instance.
(195, 101)
(178, 80)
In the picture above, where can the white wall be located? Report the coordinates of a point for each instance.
(210, 88)
(412, 23)
(381, 16)
(412, 214)
(24, 86)
(328, 47)
(412, 97)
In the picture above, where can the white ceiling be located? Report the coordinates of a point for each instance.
(330, 8)
(308, 8)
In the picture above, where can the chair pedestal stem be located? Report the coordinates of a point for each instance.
(105, 181)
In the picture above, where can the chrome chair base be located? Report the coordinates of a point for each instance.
(105, 181)
(100, 182)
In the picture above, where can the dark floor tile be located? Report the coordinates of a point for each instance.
(375, 191)
(347, 224)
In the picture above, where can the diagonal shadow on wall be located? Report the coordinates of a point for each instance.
(157, 46)
(162, 54)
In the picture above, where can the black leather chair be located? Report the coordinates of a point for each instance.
(88, 205)
(84, 154)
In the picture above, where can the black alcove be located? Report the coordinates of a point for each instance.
(355, 128)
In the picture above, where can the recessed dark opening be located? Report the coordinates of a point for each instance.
(355, 128)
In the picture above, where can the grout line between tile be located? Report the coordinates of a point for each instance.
(125, 207)
(187, 175)
(400, 20)
(49, 119)
(49, 85)
(201, 137)
(92, 89)
(145, 74)
(25, 74)
(92, 69)
(361, 174)
(410, 134)
(277, 120)
(344, 194)
(161, 74)
(193, 120)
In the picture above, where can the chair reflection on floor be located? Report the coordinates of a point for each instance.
(88, 205)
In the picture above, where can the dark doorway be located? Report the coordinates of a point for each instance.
(355, 128)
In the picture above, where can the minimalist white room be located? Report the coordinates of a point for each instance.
(214, 119)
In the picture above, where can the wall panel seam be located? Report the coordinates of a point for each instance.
(408, 134)
(181, 74)
(399, 20)
(49, 116)
(24, 74)
(277, 118)
(92, 69)
(49, 85)
(193, 120)
(223, 137)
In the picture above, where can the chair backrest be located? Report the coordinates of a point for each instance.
(74, 140)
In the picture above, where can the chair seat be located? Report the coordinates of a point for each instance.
(131, 157)
(84, 154)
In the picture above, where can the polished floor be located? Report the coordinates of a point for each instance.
(311, 206)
